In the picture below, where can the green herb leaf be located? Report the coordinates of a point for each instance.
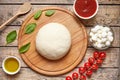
(37, 14)
(11, 36)
(30, 28)
(49, 12)
(24, 48)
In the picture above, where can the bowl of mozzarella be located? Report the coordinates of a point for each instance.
(101, 37)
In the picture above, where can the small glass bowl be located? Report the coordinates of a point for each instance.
(103, 48)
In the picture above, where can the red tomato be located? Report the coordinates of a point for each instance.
(87, 65)
(94, 67)
(99, 61)
(91, 60)
(82, 77)
(102, 55)
(68, 78)
(96, 54)
(89, 73)
(82, 70)
(75, 75)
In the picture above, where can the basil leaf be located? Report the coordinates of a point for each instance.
(30, 28)
(37, 14)
(11, 36)
(49, 12)
(24, 48)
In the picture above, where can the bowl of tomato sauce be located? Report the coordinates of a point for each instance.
(85, 9)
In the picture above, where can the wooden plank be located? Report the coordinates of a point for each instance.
(111, 60)
(119, 63)
(10, 28)
(10, 51)
(3, 76)
(106, 15)
(26, 73)
(57, 1)
(101, 74)
(4, 33)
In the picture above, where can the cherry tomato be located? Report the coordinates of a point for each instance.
(75, 75)
(91, 60)
(68, 78)
(96, 54)
(94, 67)
(102, 55)
(87, 65)
(82, 70)
(99, 61)
(82, 77)
(89, 73)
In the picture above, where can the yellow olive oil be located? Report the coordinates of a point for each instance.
(11, 65)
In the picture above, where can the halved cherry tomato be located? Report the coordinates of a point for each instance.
(68, 78)
(99, 61)
(82, 70)
(102, 55)
(96, 54)
(87, 65)
(82, 77)
(75, 75)
(94, 67)
(91, 60)
(89, 73)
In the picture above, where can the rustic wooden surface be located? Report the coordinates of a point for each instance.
(109, 13)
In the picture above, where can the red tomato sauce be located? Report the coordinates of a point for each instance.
(85, 8)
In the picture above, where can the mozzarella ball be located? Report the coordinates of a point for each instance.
(109, 33)
(103, 45)
(94, 30)
(104, 34)
(110, 38)
(100, 35)
(100, 32)
(104, 40)
(99, 40)
(95, 44)
(96, 35)
(106, 29)
(91, 40)
(97, 27)
(107, 43)
(99, 45)
(94, 38)
(101, 26)
(91, 34)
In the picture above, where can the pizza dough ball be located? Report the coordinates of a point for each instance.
(53, 41)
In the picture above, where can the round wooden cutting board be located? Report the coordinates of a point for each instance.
(77, 51)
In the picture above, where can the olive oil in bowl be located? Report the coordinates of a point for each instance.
(11, 65)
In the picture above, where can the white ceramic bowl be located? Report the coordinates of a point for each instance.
(11, 73)
(82, 16)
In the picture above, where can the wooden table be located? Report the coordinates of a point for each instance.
(109, 13)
